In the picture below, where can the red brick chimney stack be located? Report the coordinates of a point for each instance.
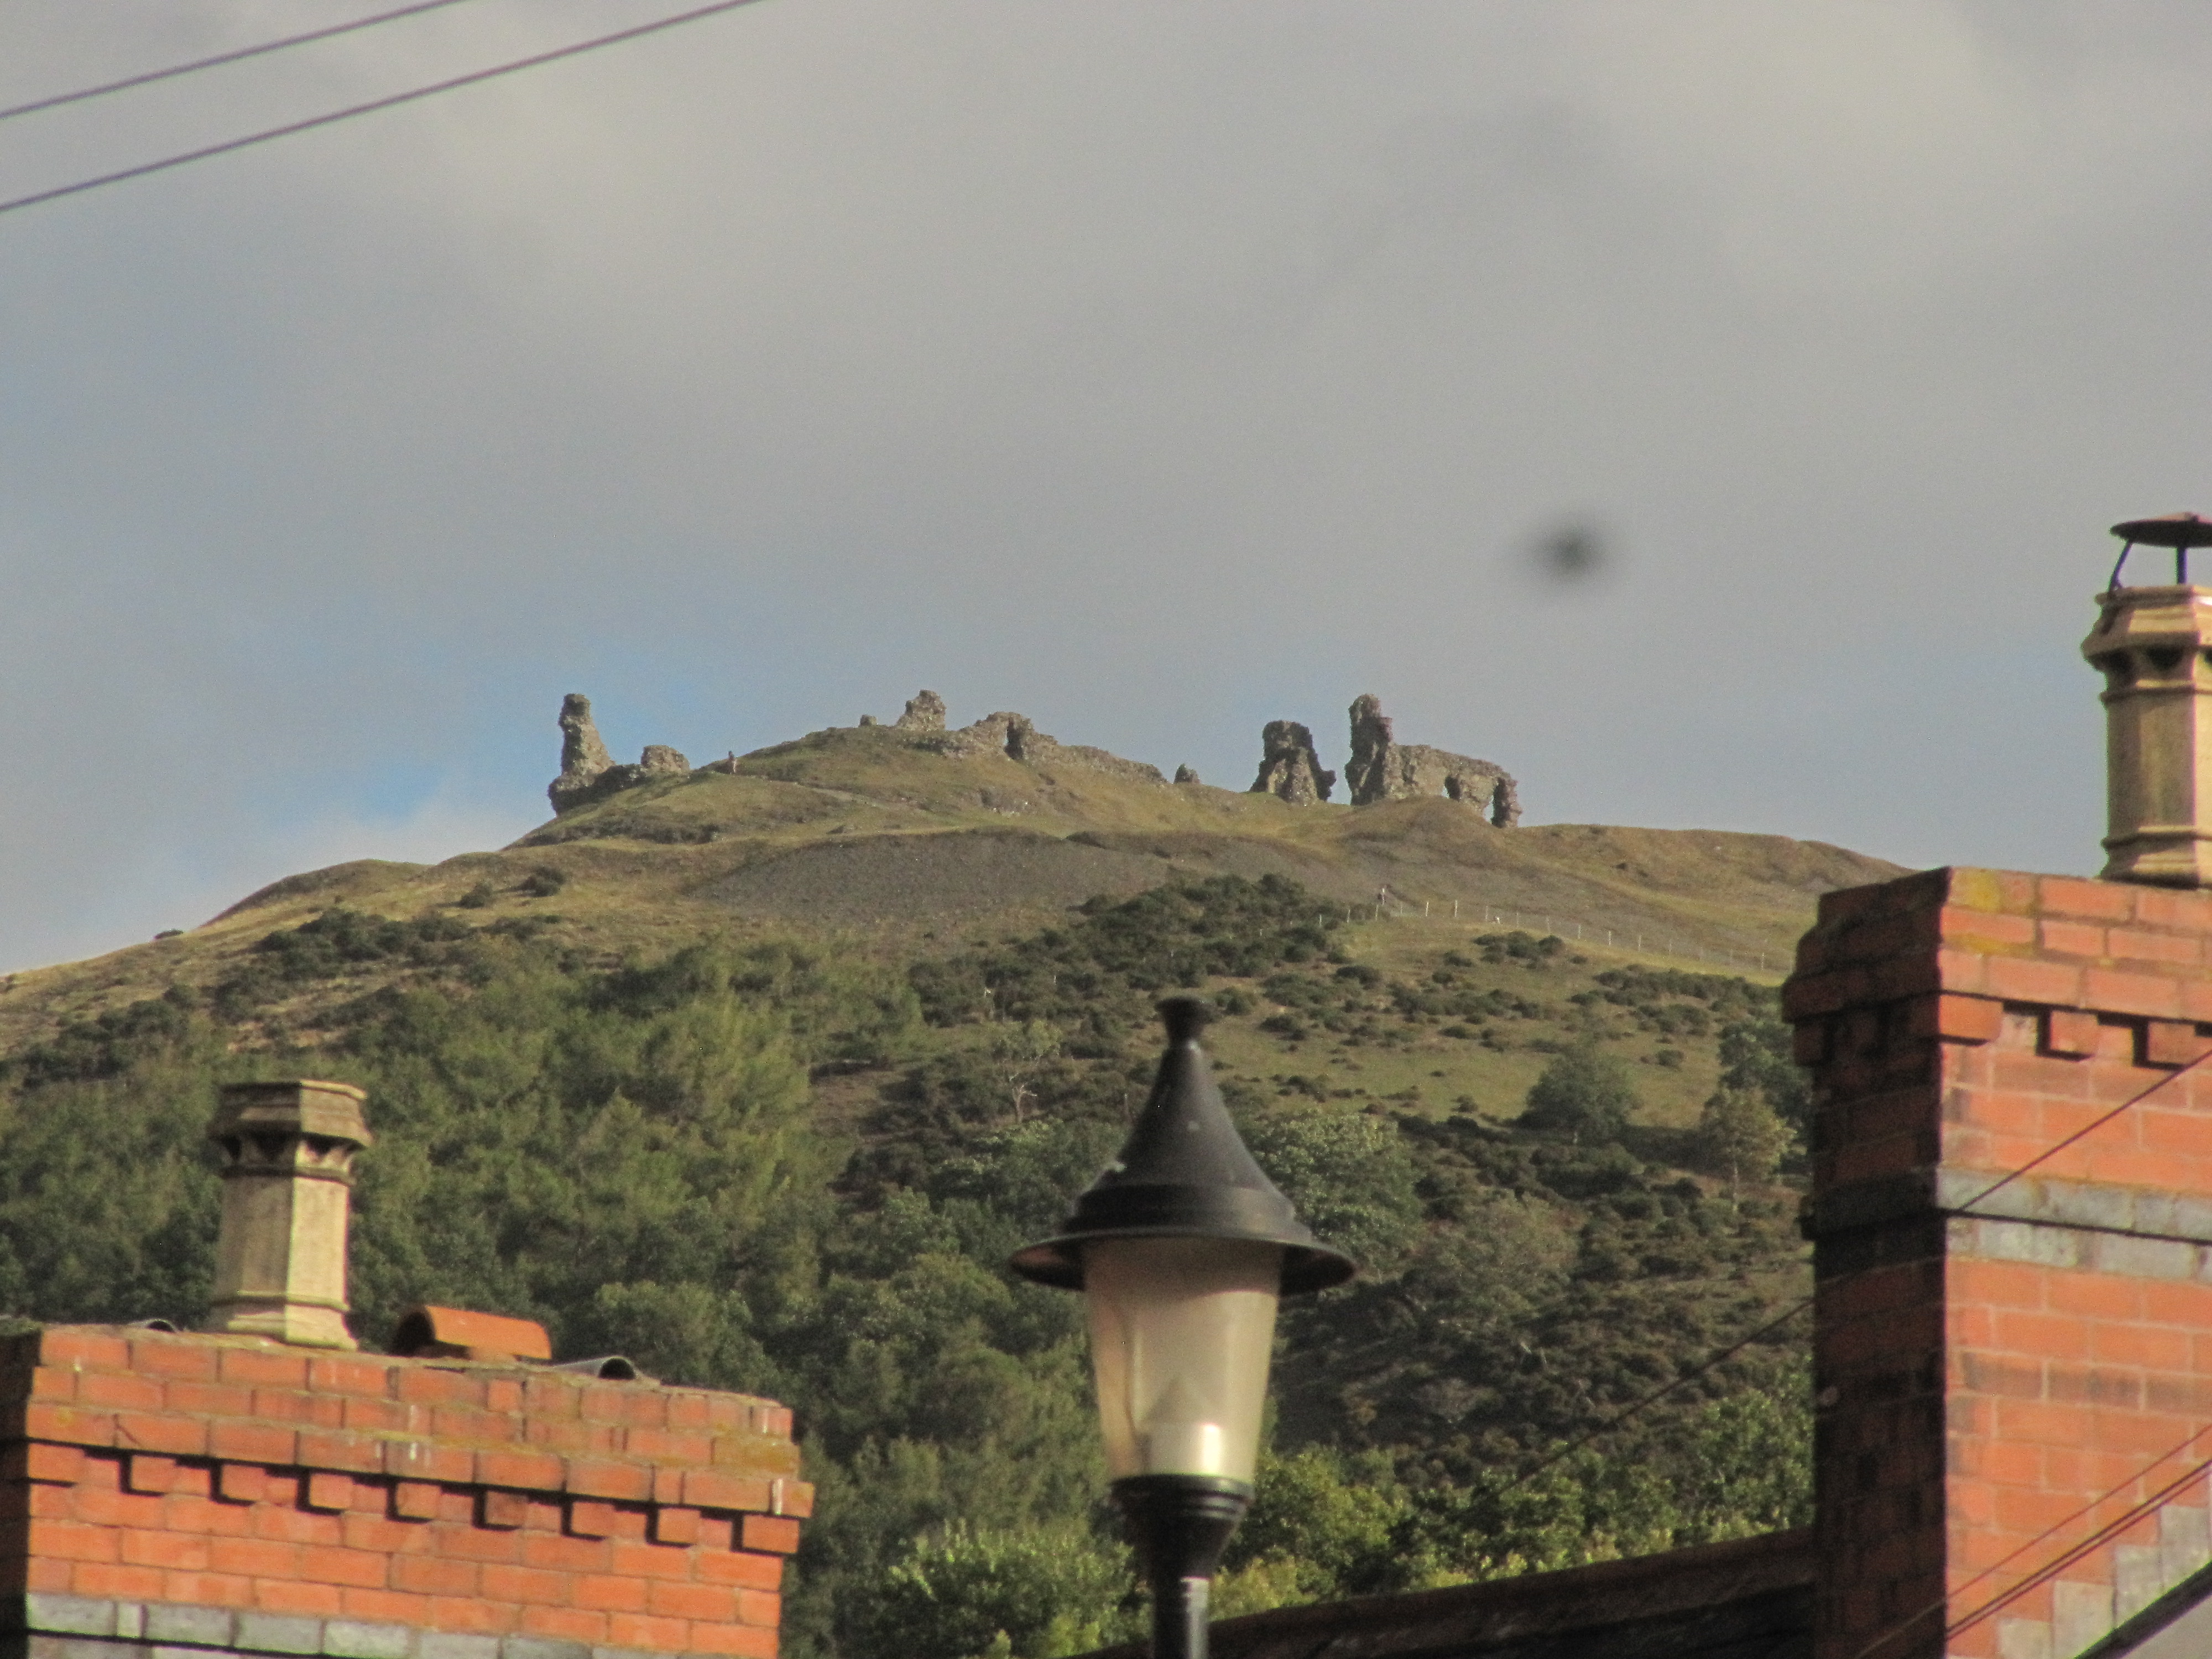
(2011, 1206)
(2013, 1376)
(251, 1489)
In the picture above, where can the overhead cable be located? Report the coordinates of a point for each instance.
(1656, 1395)
(1652, 1398)
(374, 105)
(2051, 1569)
(243, 52)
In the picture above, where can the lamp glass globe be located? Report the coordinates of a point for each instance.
(1182, 1330)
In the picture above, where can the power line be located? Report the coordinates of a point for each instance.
(2065, 1559)
(374, 105)
(1775, 1324)
(239, 56)
(1653, 1398)
(2089, 1128)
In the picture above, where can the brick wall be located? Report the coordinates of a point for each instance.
(283, 1500)
(2014, 1386)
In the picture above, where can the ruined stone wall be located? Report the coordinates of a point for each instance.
(1382, 768)
(1290, 767)
(925, 712)
(584, 758)
(588, 772)
(1017, 738)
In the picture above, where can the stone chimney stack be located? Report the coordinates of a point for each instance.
(2153, 647)
(288, 1151)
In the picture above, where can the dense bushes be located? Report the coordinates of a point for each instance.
(1100, 974)
(635, 1157)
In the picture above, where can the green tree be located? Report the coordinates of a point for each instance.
(1755, 1054)
(1585, 1093)
(1349, 1173)
(1740, 1136)
(1020, 1051)
(1322, 1525)
(966, 1592)
(1747, 1465)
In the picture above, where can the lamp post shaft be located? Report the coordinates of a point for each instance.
(1180, 1524)
(1179, 1618)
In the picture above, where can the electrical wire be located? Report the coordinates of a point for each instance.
(2090, 1127)
(60, 98)
(374, 105)
(1689, 1377)
(1652, 1398)
(2065, 1559)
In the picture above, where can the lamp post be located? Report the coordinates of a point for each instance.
(1182, 1248)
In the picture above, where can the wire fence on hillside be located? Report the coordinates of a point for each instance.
(1642, 941)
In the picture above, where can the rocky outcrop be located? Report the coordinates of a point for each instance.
(1382, 768)
(1290, 767)
(925, 712)
(1016, 737)
(588, 772)
(584, 758)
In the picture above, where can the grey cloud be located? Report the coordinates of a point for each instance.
(1155, 369)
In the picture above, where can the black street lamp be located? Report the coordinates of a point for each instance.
(1182, 1248)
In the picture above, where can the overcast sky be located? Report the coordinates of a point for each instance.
(1156, 370)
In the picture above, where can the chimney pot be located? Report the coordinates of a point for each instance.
(2153, 647)
(429, 1332)
(288, 1151)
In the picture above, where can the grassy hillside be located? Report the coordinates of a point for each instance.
(757, 1077)
(854, 833)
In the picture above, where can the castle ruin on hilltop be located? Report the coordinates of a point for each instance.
(588, 772)
(1290, 766)
(1381, 768)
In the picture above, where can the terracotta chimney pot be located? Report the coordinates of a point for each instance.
(430, 1332)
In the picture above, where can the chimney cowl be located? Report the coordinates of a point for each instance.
(2178, 530)
(323, 1111)
(2153, 647)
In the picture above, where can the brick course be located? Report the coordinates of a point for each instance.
(2013, 1378)
(142, 1469)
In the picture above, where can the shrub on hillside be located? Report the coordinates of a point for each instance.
(974, 1593)
(1098, 973)
(1585, 1094)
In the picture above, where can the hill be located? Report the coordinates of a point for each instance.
(757, 1074)
(856, 833)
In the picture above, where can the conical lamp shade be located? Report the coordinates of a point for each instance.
(1184, 1173)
